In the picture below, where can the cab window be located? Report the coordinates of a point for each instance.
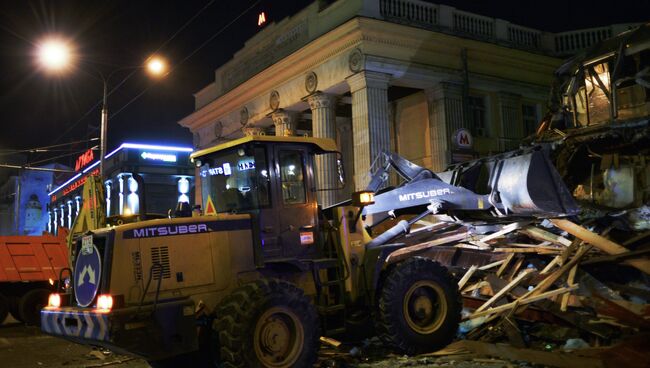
(292, 177)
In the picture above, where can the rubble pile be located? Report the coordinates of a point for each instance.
(558, 286)
(551, 293)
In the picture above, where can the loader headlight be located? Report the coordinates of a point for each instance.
(54, 301)
(105, 302)
(363, 198)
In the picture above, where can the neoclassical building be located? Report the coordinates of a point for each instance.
(399, 75)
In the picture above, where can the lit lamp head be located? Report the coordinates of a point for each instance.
(156, 66)
(54, 55)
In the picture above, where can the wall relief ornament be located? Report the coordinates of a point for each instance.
(311, 82)
(356, 60)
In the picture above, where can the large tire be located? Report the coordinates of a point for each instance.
(30, 305)
(4, 308)
(419, 307)
(268, 323)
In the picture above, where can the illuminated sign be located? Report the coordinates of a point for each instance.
(219, 170)
(166, 157)
(246, 165)
(83, 160)
(75, 185)
(261, 19)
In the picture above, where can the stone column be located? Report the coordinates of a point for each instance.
(323, 122)
(285, 123)
(370, 125)
(445, 104)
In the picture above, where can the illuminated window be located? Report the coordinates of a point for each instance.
(121, 194)
(70, 214)
(108, 198)
(183, 190)
(133, 198)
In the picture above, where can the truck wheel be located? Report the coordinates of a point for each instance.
(13, 307)
(419, 307)
(30, 306)
(268, 323)
(4, 308)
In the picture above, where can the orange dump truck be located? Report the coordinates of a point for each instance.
(29, 266)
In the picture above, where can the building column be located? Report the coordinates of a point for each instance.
(370, 125)
(323, 117)
(285, 123)
(445, 105)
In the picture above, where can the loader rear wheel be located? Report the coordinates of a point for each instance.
(4, 308)
(30, 305)
(268, 323)
(419, 307)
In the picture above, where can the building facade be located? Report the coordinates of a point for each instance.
(138, 179)
(396, 75)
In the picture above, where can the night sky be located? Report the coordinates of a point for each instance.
(38, 110)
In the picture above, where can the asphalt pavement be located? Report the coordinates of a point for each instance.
(26, 347)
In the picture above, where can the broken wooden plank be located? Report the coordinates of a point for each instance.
(557, 260)
(491, 265)
(570, 281)
(501, 293)
(452, 237)
(601, 243)
(523, 301)
(527, 250)
(505, 264)
(543, 235)
(467, 276)
(505, 230)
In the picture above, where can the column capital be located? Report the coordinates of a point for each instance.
(320, 100)
(284, 122)
(250, 130)
(368, 79)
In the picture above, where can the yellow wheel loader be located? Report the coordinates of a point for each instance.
(258, 278)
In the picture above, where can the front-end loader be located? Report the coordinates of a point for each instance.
(258, 278)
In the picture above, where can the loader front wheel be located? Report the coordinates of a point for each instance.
(268, 323)
(419, 307)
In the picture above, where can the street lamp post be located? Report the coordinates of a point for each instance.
(55, 55)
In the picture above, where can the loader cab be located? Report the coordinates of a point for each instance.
(271, 178)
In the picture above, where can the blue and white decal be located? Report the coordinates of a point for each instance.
(182, 229)
(87, 275)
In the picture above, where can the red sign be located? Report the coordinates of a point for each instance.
(79, 183)
(83, 160)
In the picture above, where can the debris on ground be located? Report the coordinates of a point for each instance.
(552, 293)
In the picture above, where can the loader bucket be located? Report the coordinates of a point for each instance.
(529, 185)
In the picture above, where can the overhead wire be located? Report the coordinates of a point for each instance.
(113, 89)
(190, 55)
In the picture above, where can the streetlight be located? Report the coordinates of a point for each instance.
(54, 54)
